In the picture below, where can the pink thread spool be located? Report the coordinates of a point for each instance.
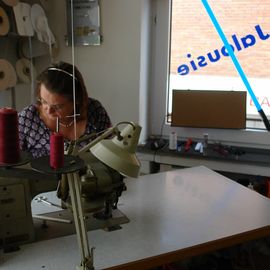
(9, 136)
(56, 150)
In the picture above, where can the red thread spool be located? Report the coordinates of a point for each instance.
(56, 150)
(9, 136)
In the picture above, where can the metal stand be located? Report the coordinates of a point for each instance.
(76, 203)
(71, 167)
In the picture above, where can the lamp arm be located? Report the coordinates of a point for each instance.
(112, 130)
(107, 133)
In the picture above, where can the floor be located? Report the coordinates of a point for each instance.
(254, 255)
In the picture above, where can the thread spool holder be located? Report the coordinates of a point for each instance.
(72, 165)
(24, 158)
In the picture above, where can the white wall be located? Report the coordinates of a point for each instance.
(116, 72)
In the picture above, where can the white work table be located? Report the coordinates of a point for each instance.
(173, 215)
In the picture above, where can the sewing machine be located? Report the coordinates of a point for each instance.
(100, 187)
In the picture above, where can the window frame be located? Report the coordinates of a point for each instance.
(159, 84)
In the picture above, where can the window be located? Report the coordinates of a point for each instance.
(189, 54)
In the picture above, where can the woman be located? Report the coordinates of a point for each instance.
(55, 100)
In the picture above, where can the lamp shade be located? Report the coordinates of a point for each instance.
(119, 152)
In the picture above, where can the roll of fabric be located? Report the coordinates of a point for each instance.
(22, 13)
(40, 25)
(8, 77)
(11, 3)
(23, 70)
(4, 22)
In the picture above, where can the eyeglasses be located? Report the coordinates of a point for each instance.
(55, 107)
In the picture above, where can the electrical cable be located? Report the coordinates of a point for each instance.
(87, 255)
(161, 142)
(162, 125)
(73, 68)
(31, 71)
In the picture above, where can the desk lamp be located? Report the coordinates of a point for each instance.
(118, 152)
(116, 149)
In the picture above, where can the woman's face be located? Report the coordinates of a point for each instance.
(54, 105)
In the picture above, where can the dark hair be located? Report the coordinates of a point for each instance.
(58, 79)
